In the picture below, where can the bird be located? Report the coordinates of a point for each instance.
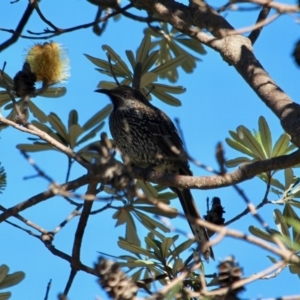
(149, 138)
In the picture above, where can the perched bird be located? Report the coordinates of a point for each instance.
(149, 138)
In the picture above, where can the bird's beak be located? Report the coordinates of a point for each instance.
(104, 91)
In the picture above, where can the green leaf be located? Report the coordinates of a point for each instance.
(167, 196)
(131, 231)
(4, 269)
(170, 65)
(265, 135)
(250, 142)
(281, 145)
(73, 118)
(160, 94)
(135, 249)
(114, 56)
(74, 131)
(236, 162)
(272, 259)
(192, 44)
(182, 247)
(12, 279)
(5, 296)
(143, 50)
(289, 177)
(239, 147)
(280, 222)
(9, 81)
(147, 188)
(39, 114)
(150, 61)
(130, 57)
(35, 147)
(97, 118)
(295, 203)
(157, 211)
(4, 98)
(54, 92)
(58, 125)
(172, 89)
(91, 134)
(147, 78)
(165, 246)
(150, 222)
(261, 234)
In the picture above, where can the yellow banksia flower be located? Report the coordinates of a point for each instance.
(49, 62)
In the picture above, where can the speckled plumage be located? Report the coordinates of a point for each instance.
(149, 138)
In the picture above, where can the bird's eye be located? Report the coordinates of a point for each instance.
(125, 95)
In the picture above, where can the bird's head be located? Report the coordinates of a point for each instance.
(124, 95)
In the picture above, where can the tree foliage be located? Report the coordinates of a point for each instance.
(160, 263)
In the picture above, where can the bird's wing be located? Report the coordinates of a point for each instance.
(164, 133)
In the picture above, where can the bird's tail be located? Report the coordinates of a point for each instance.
(190, 210)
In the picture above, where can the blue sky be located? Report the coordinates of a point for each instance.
(217, 100)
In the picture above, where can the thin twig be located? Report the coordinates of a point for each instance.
(253, 36)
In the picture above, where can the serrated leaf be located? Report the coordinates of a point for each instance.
(239, 147)
(265, 135)
(12, 279)
(237, 161)
(281, 145)
(147, 78)
(73, 118)
(143, 50)
(150, 61)
(5, 295)
(97, 118)
(4, 269)
(250, 142)
(165, 97)
(261, 234)
(120, 63)
(39, 114)
(169, 65)
(135, 249)
(165, 246)
(54, 92)
(35, 147)
(74, 131)
(281, 223)
(90, 134)
(131, 58)
(58, 125)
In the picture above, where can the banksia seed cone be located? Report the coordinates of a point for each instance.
(24, 81)
(230, 272)
(114, 281)
(49, 62)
